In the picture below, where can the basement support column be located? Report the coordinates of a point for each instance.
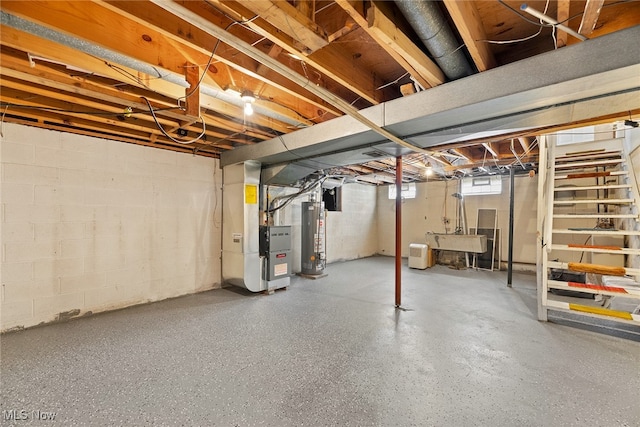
(398, 230)
(511, 201)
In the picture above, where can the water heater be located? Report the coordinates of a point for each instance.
(313, 245)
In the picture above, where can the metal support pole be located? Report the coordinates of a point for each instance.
(398, 230)
(511, 201)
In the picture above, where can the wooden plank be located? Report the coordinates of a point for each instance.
(407, 89)
(492, 162)
(102, 127)
(590, 16)
(230, 61)
(467, 19)
(192, 93)
(402, 49)
(562, 15)
(465, 153)
(51, 83)
(356, 11)
(14, 92)
(596, 269)
(73, 58)
(64, 127)
(491, 149)
(525, 142)
(110, 27)
(331, 61)
(290, 21)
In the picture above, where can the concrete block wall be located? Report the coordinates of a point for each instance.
(434, 202)
(90, 225)
(351, 233)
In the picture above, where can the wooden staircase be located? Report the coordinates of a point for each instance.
(587, 217)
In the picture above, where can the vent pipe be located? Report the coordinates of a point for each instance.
(436, 35)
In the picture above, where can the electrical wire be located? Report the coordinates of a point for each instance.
(393, 82)
(289, 198)
(165, 133)
(540, 24)
(213, 53)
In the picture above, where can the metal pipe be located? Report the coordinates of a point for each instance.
(549, 20)
(398, 231)
(436, 35)
(511, 203)
(127, 61)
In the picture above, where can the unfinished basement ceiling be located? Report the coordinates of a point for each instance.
(98, 68)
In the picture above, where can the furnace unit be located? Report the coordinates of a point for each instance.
(275, 248)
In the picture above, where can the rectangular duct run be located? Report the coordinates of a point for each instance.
(241, 264)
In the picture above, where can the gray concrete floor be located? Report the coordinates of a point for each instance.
(467, 351)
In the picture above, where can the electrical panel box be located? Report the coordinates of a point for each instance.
(275, 246)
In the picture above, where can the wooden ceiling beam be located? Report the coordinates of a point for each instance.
(399, 46)
(491, 149)
(74, 90)
(72, 58)
(330, 60)
(291, 21)
(525, 142)
(495, 162)
(230, 60)
(113, 117)
(63, 126)
(562, 15)
(467, 19)
(590, 17)
(110, 27)
(465, 153)
(394, 42)
(107, 127)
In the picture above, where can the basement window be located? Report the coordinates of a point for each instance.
(481, 185)
(332, 198)
(408, 191)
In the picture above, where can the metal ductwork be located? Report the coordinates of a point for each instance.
(126, 61)
(434, 32)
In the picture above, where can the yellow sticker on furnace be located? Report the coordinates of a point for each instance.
(251, 194)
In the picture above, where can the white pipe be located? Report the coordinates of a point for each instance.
(526, 8)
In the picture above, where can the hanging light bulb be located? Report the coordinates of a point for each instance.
(428, 169)
(249, 98)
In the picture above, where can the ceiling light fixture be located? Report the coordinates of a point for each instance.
(428, 169)
(249, 98)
